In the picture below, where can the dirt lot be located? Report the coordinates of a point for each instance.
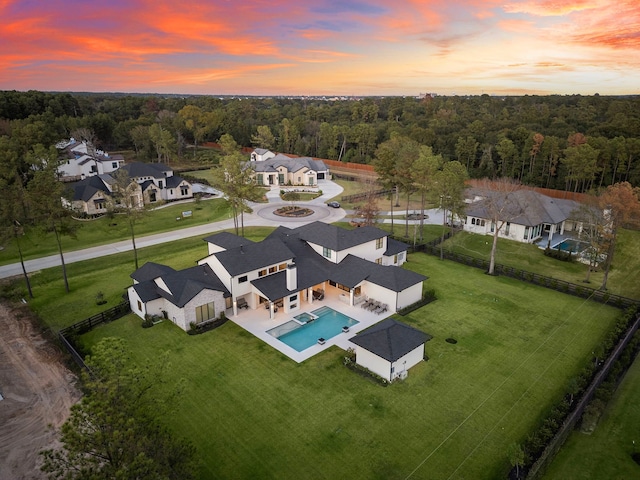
(38, 391)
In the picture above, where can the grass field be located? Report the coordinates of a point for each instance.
(253, 413)
(36, 243)
(624, 278)
(606, 453)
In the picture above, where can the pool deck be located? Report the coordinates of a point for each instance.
(257, 323)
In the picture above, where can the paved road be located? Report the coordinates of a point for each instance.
(262, 216)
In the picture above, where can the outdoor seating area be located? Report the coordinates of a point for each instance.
(242, 303)
(318, 294)
(374, 306)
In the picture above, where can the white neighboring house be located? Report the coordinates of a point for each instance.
(390, 348)
(278, 170)
(538, 216)
(81, 160)
(295, 266)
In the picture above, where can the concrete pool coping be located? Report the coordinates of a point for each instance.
(257, 323)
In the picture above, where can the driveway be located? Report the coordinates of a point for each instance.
(262, 216)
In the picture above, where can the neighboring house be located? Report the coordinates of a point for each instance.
(91, 196)
(186, 297)
(390, 348)
(292, 267)
(81, 160)
(538, 216)
(278, 170)
(158, 182)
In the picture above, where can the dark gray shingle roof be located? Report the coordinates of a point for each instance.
(390, 339)
(247, 258)
(151, 270)
(227, 240)
(337, 238)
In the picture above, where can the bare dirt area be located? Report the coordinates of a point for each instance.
(37, 390)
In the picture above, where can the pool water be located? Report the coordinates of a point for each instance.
(328, 324)
(570, 245)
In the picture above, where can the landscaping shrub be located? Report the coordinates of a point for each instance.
(450, 340)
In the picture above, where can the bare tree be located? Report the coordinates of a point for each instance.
(368, 211)
(127, 200)
(501, 206)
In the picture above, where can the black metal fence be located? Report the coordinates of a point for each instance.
(356, 197)
(66, 334)
(433, 248)
(553, 447)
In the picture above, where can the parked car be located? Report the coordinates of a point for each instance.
(334, 204)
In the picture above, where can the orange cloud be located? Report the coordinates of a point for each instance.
(552, 8)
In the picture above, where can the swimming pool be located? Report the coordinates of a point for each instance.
(328, 324)
(571, 245)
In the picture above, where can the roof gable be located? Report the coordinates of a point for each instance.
(254, 256)
(390, 339)
(337, 238)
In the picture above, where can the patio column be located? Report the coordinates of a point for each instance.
(351, 297)
(310, 295)
(235, 307)
(562, 228)
(271, 312)
(553, 227)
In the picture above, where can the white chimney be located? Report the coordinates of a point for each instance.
(292, 277)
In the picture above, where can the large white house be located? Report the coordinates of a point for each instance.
(81, 160)
(276, 170)
(531, 216)
(289, 268)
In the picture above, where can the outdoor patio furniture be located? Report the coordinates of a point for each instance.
(318, 294)
(321, 341)
(242, 303)
(367, 303)
(373, 306)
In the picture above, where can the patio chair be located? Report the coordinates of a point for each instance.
(373, 306)
(242, 303)
(318, 294)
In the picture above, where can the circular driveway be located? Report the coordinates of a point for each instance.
(320, 212)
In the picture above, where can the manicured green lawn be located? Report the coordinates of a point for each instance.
(110, 275)
(36, 243)
(606, 453)
(253, 413)
(624, 278)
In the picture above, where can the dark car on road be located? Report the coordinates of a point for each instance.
(334, 204)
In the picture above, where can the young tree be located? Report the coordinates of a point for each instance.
(234, 177)
(114, 432)
(501, 205)
(516, 457)
(163, 142)
(448, 188)
(422, 173)
(368, 211)
(593, 231)
(126, 199)
(621, 206)
(45, 196)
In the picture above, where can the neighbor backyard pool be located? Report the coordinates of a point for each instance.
(570, 245)
(327, 324)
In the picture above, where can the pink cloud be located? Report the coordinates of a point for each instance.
(546, 8)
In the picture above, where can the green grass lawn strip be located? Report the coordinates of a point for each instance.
(36, 243)
(254, 413)
(606, 453)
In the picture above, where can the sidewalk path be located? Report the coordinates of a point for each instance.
(262, 216)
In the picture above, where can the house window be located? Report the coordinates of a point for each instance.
(139, 305)
(184, 190)
(282, 266)
(326, 252)
(160, 184)
(299, 179)
(401, 256)
(205, 312)
(506, 229)
(395, 259)
(473, 221)
(171, 192)
(379, 242)
(99, 204)
(242, 279)
(273, 269)
(260, 179)
(526, 233)
(262, 273)
(114, 164)
(493, 227)
(152, 196)
(293, 298)
(379, 261)
(482, 223)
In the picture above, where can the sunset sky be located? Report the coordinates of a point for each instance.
(322, 47)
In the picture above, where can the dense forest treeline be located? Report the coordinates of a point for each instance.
(565, 142)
